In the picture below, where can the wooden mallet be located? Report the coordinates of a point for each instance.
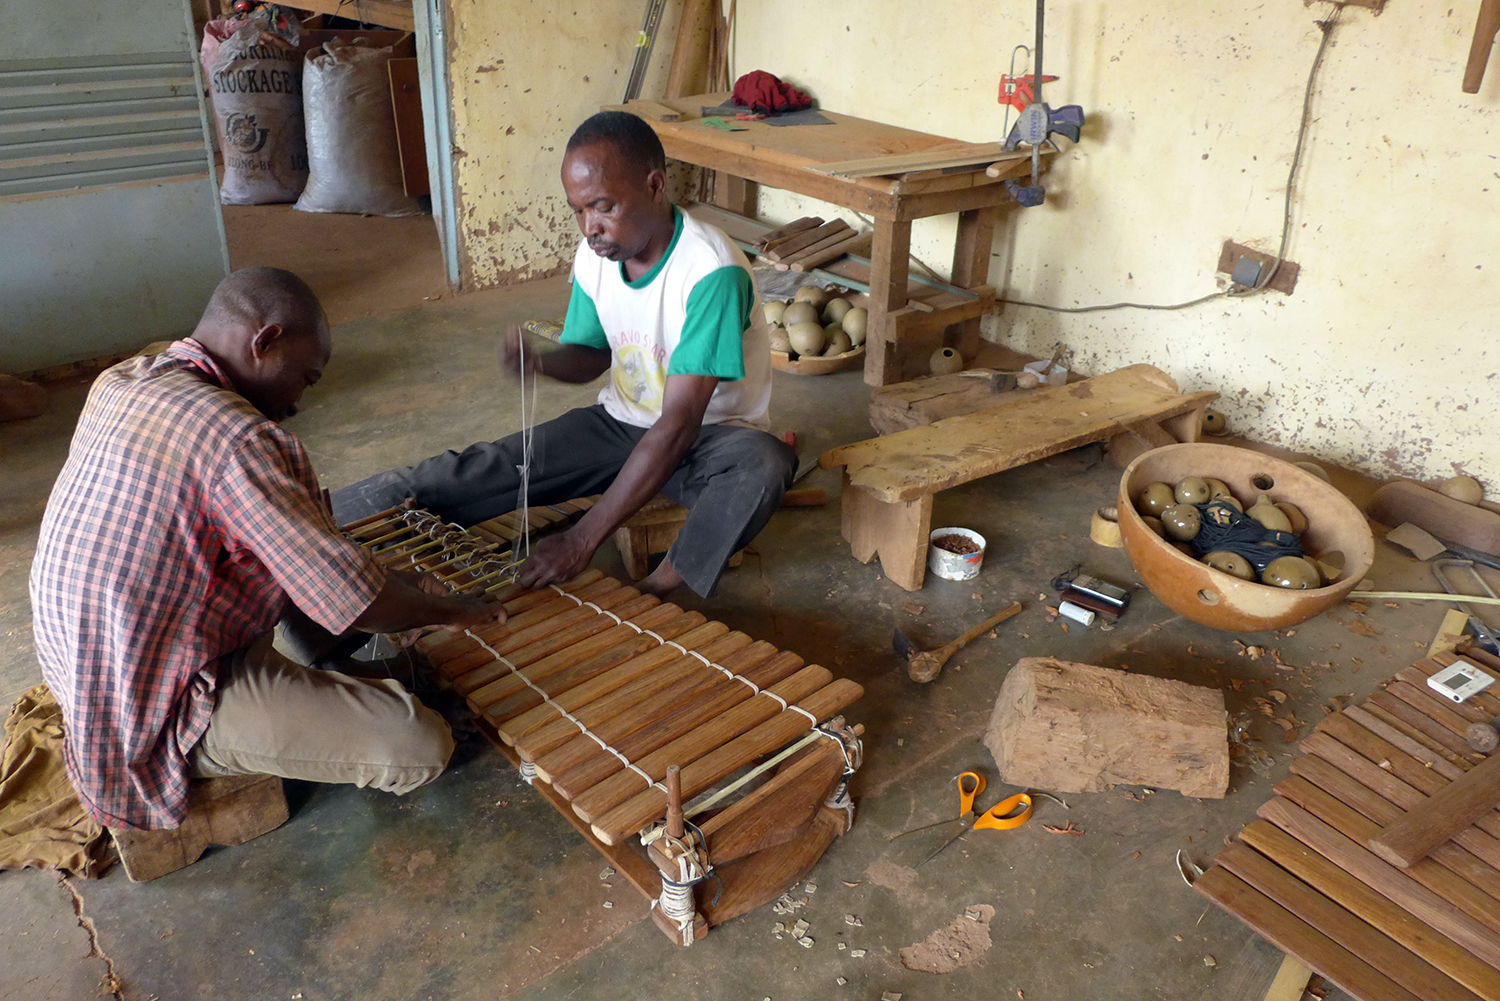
(925, 665)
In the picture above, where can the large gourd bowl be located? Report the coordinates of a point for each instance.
(1336, 532)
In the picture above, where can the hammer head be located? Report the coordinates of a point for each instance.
(905, 648)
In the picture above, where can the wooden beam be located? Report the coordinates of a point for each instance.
(1449, 811)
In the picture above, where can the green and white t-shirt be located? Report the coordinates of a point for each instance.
(694, 313)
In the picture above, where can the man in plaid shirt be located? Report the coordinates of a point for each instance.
(185, 522)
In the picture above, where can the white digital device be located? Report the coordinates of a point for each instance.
(1460, 680)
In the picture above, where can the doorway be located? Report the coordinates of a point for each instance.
(359, 263)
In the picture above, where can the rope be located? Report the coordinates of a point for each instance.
(754, 688)
(528, 432)
(583, 729)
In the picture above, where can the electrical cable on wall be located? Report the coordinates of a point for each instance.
(1326, 27)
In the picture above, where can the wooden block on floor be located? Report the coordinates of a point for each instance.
(1072, 727)
(227, 811)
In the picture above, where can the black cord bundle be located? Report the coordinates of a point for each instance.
(1226, 530)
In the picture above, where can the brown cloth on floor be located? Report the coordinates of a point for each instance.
(42, 823)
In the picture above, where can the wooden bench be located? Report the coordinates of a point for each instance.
(889, 482)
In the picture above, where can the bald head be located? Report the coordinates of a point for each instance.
(251, 297)
(268, 331)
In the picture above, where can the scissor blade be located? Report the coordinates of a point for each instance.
(940, 847)
(925, 827)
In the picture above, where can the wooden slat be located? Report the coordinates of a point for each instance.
(901, 163)
(791, 229)
(1435, 733)
(689, 746)
(631, 816)
(1373, 908)
(1408, 840)
(1396, 738)
(560, 672)
(601, 699)
(1405, 795)
(813, 236)
(1291, 934)
(1448, 883)
(1470, 710)
(634, 726)
(1325, 776)
(1401, 726)
(1429, 705)
(1384, 878)
(1359, 938)
(598, 776)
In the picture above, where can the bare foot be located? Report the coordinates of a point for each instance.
(662, 581)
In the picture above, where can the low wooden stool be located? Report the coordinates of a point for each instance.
(227, 811)
(653, 529)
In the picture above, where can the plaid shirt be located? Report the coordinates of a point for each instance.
(180, 525)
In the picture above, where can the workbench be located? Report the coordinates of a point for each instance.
(900, 337)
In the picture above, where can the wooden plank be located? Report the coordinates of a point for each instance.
(1400, 740)
(686, 744)
(1383, 811)
(554, 744)
(933, 159)
(924, 460)
(688, 71)
(634, 814)
(406, 102)
(1449, 633)
(1448, 878)
(1342, 927)
(1414, 734)
(1432, 706)
(772, 236)
(1463, 801)
(1433, 731)
(1384, 878)
(1373, 908)
(1433, 663)
(654, 726)
(386, 13)
(1292, 935)
(852, 245)
(834, 239)
(1290, 982)
(809, 238)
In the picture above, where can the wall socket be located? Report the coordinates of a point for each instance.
(1236, 260)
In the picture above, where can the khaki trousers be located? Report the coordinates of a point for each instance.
(275, 717)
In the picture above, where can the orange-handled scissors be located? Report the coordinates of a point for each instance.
(1005, 815)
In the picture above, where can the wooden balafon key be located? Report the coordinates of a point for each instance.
(639, 720)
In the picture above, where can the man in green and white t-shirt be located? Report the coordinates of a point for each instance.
(668, 306)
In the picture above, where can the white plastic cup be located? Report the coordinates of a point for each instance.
(954, 566)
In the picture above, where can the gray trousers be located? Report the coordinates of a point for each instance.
(731, 481)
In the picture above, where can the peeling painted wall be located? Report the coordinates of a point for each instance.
(1385, 359)
(524, 75)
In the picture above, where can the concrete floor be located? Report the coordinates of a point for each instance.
(473, 888)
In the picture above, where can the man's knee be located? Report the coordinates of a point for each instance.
(766, 457)
(414, 751)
